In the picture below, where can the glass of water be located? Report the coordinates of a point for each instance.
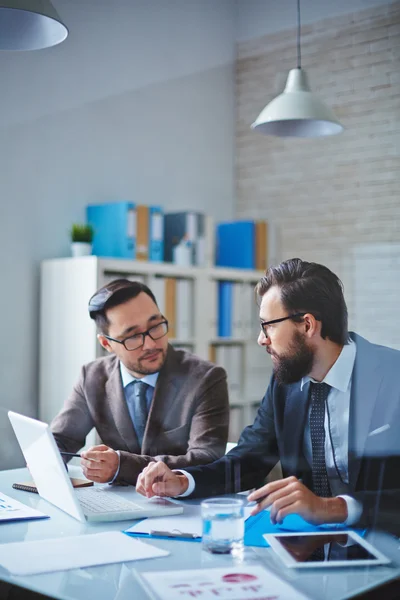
(223, 525)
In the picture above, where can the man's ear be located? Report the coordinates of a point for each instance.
(104, 342)
(312, 326)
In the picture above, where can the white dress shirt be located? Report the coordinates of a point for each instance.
(338, 405)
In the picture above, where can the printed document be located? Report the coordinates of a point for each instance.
(235, 583)
(12, 510)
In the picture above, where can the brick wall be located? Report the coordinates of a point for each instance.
(334, 200)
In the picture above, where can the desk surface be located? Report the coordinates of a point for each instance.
(120, 581)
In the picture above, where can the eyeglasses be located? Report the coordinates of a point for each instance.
(133, 342)
(264, 324)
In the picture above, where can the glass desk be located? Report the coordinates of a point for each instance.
(120, 581)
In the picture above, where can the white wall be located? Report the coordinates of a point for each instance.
(261, 17)
(137, 104)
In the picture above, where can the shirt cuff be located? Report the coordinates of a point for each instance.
(117, 471)
(354, 510)
(191, 481)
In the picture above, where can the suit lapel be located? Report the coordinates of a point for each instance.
(294, 422)
(115, 399)
(165, 394)
(366, 381)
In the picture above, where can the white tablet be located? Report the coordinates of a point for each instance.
(324, 549)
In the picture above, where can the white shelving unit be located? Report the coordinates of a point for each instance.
(68, 335)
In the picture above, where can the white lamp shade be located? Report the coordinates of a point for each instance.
(30, 25)
(297, 112)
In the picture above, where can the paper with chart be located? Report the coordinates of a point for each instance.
(12, 510)
(235, 583)
(62, 554)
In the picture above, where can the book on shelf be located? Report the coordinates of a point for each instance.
(235, 244)
(170, 305)
(184, 308)
(142, 232)
(225, 294)
(188, 227)
(156, 234)
(157, 285)
(114, 225)
(235, 423)
(230, 357)
(261, 245)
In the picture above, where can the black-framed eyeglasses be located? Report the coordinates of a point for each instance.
(264, 324)
(133, 342)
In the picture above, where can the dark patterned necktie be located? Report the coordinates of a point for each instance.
(318, 396)
(137, 405)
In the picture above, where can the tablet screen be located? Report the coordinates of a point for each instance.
(324, 548)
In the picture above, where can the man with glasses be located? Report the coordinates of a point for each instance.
(146, 400)
(330, 414)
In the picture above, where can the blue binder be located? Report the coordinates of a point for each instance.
(114, 225)
(156, 233)
(235, 244)
(225, 300)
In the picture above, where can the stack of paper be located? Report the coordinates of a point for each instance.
(62, 554)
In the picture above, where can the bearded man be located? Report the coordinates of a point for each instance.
(328, 415)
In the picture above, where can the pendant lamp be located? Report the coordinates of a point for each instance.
(297, 112)
(30, 25)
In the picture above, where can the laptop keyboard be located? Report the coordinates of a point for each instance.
(100, 501)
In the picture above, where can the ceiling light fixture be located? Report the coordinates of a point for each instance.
(297, 112)
(30, 25)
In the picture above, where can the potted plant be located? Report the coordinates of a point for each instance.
(81, 239)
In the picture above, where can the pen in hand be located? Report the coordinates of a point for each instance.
(70, 454)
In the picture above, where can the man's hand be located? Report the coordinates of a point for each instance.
(158, 480)
(289, 495)
(99, 463)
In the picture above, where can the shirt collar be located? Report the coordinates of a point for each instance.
(127, 378)
(339, 375)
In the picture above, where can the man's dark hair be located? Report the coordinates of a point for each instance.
(113, 294)
(313, 288)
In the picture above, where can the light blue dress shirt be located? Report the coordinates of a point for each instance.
(127, 378)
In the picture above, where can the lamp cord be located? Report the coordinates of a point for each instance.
(298, 36)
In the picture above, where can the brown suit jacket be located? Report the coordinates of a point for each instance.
(187, 423)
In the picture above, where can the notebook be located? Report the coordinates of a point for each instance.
(97, 503)
(29, 486)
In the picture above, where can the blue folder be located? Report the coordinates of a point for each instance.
(256, 526)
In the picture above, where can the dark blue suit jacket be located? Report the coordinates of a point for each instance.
(278, 430)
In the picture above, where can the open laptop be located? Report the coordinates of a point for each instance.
(97, 503)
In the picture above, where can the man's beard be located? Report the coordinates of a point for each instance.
(140, 369)
(295, 364)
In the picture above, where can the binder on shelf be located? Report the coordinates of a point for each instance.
(261, 246)
(237, 311)
(170, 305)
(187, 227)
(184, 312)
(142, 232)
(235, 423)
(157, 286)
(114, 225)
(235, 244)
(156, 234)
(225, 292)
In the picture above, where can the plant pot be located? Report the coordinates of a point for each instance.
(81, 249)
